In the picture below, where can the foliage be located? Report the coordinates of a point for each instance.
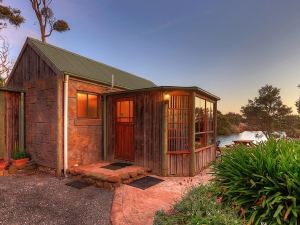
(234, 118)
(266, 112)
(45, 16)
(298, 102)
(12, 15)
(228, 123)
(199, 207)
(224, 127)
(291, 125)
(5, 63)
(264, 180)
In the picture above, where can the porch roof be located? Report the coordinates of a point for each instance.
(171, 88)
(7, 89)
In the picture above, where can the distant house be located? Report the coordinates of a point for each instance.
(78, 111)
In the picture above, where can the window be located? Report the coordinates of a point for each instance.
(178, 123)
(125, 111)
(204, 122)
(87, 105)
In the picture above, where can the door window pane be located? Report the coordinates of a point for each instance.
(125, 111)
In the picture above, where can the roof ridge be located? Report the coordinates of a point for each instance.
(89, 59)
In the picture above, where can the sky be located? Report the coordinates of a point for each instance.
(230, 48)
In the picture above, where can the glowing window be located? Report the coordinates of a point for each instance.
(87, 105)
(125, 111)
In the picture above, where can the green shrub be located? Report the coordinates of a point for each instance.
(199, 207)
(20, 155)
(263, 180)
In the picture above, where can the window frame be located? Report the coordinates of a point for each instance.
(87, 105)
(206, 132)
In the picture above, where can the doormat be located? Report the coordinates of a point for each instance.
(145, 182)
(78, 184)
(116, 166)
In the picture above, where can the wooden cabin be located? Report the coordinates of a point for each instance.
(78, 111)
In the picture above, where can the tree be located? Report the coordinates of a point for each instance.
(234, 118)
(10, 15)
(298, 102)
(266, 112)
(46, 18)
(5, 63)
(224, 126)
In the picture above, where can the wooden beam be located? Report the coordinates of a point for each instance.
(165, 139)
(215, 128)
(2, 125)
(192, 134)
(104, 127)
(21, 122)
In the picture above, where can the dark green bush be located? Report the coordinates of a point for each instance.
(20, 155)
(264, 180)
(199, 207)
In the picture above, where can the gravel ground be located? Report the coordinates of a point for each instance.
(44, 199)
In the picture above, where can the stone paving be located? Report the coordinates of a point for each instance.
(133, 206)
(105, 178)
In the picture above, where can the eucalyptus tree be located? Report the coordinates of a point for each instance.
(45, 16)
(9, 15)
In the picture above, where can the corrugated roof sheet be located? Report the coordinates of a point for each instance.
(76, 65)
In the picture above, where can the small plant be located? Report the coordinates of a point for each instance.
(202, 205)
(20, 155)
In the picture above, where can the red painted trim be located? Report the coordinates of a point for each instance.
(204, 148)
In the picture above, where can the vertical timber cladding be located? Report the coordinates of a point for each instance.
(9, 123)
(2, 125)
(179, 150)
(147, 128)
(39, 81)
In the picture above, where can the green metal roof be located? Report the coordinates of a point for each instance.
(82, 67)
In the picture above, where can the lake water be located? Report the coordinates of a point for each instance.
(256, 136)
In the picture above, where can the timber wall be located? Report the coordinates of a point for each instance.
(39, 81)
(9, 123)
(147, 128)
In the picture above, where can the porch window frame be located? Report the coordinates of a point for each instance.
(205, 131)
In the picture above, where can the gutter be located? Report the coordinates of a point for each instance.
(66, 104)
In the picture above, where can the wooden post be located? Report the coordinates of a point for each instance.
(215, 128)
(21, 122)
(165, 138)
(192, 135)
(104, 127)
(2, 125)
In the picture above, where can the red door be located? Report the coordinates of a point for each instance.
(124, 129)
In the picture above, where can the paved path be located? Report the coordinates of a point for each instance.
(132, 206)
(44, 199)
